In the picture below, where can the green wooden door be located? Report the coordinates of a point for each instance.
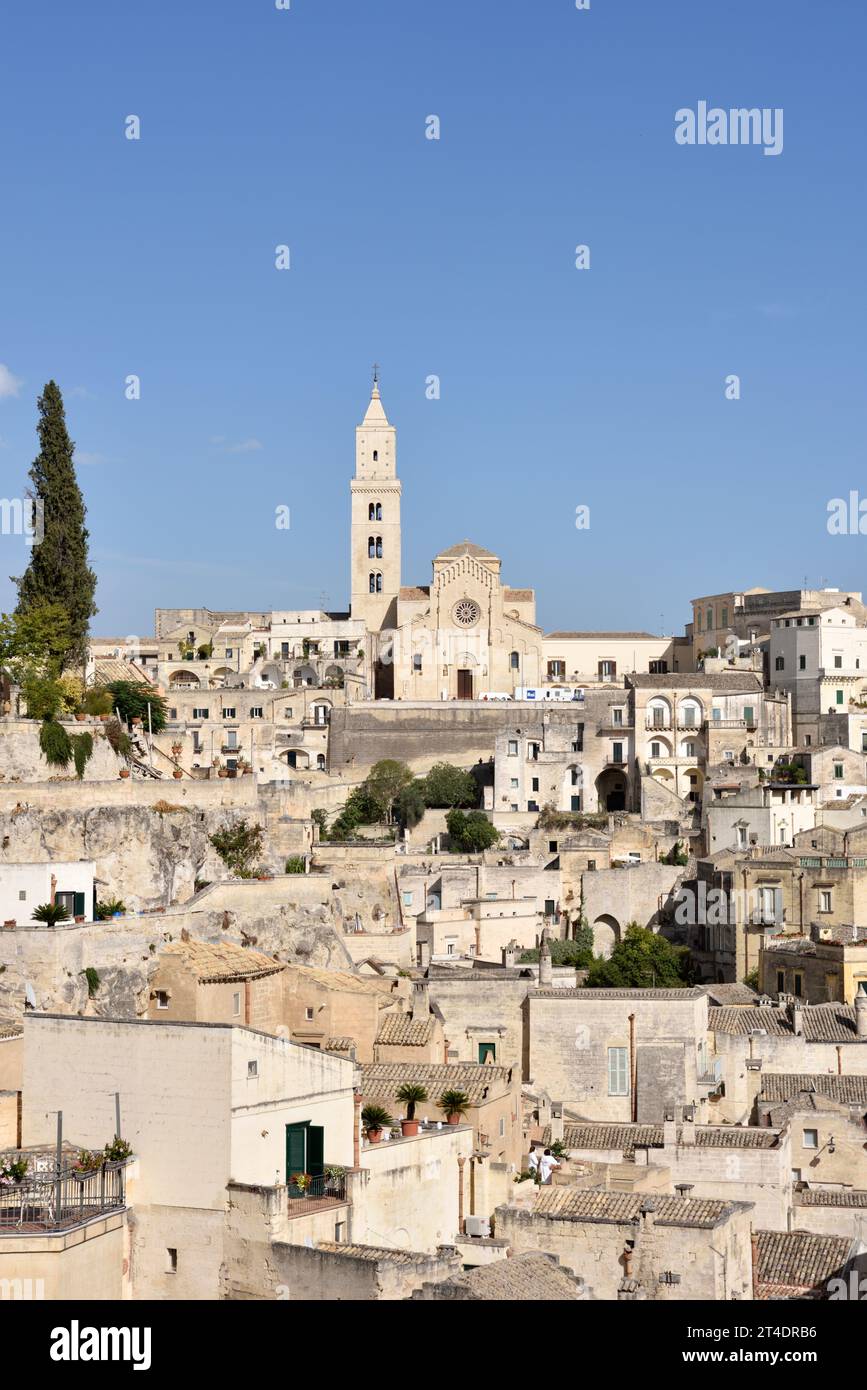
(296, 1151)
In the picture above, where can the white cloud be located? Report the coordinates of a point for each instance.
(9, 384)
(87, 458)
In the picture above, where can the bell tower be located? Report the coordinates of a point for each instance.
(375, 493)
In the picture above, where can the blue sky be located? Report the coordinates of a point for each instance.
(453, 257)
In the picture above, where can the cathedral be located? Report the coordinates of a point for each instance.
(461, 637)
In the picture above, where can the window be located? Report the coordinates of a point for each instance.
(231, 738)
(658, 668)
(591, 865)
(379, 583)
(656, 750)
(371, 512)
(838, 666)
(486, 1050)
(257, 712)
(229, 653)
(416, 661)
(502, 1126)
(171, 1260)
(802, 663)
(839, 697)
(513, 748)
(618, 1071)
(532, 806)
(162, 999)
(617, 752)
(709, 619)
(779, 664)
(535, 786)
(229, 713)
(742, 836)
(689, 751)
(556, 670)
(724, 617)
(513, 784)
(607, 670)
(550, 907)
(407, 897)
(201, 713)
(838, 770)
(339, 1232)
(284, 650)
(376, 456)
(514, 661)
(728, 755)
(308, 1014)
(22, 895)
(617, 716)
(781, 981)
(798, 987)
(749, 714)
(825, 900)
(252, 1070)
(811, 1139)
(236, 1004)
(552, 846)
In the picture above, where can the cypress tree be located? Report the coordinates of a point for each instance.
(58, 571)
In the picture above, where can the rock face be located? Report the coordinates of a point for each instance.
(105, 968)
(146, 858)
(21, 758)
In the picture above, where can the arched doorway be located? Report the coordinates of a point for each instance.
(611, 786)
(606, 934)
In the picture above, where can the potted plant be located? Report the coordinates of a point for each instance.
(301, 1182)
(177, 750)
(334, 1175)
(454, 1103)
(118, 1151)
(124, 772)
(87, 1162)
(177, 774)
(80, 716)
(14, 1172)
(375, 1118)
(411, 1094)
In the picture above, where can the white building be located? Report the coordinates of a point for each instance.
(24, 887)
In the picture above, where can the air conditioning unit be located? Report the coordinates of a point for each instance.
(477, 1226)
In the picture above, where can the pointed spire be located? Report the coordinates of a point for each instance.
(375, 411)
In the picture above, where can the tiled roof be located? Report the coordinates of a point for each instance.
(601, 995)
(339, 1044)
(518, 595)
(527, 1277)
(107, 669)
(602, 636)
(402, 1030)
(375, 1254)
(848, 1090)
(744, 681)
(340, 980)
(819, 1197)
(821, 1022)
(631, 1137)
(621, 1208)
(225, 961)
(414, 591)
(466, 548)
(380, 1080)
(730, 994)
(791, 1260)
(11, 1030)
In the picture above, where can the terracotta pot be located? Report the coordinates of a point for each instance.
(104, 718)
(124, 772)
(374, 1136)
(80, 718)
(10, 922)
(453, 1119)
(222, 772)
(177, 774)
(79, 919)
(409, 1128)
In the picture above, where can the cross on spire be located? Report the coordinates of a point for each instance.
(376, 373)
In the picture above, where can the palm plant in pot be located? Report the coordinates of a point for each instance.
(454, 1103)
(375, 1118)
(410, 1094)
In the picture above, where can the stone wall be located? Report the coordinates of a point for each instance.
(459, 732)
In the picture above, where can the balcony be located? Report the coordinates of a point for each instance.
(656, 725)
(46, 1201)
(328, 1189)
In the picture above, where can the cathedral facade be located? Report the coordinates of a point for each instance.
(462, 637)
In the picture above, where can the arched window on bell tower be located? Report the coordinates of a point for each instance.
(379, 511)
(371, 548)
(379, 547)
(379, 583)
(372, 582)
(371, 512)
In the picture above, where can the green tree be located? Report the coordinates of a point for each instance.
(239, 847)
(383, 785)
(642, 960)
(58, 571)
(584, 936)
(562, 953)
(34, 643)
(131, 700)
(447, 785)
(470, 833)
(411, 804)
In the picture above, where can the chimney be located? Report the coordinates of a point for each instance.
(861, 1012)
(557, 1124)
(687, 1132)
(420, 1000)
(424, 954)
(669, 1133)
(510, 955)
(546, 969)
(798, 1020)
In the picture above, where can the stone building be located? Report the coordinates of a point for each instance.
(818, 656)
(621, 1054)
(630, 1246)
(745, 617)
(493, 1098)
(828, 964)
(197, 982)
(738, 815)
(825, 1118)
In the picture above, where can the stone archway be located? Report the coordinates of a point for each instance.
(611, 789)
(606, 934)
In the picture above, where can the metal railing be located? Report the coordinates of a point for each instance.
(318, 1191)
(48, 1201)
